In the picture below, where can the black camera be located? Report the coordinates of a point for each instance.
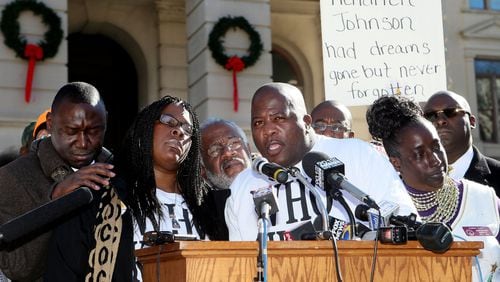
(393, 235)
(153, 238)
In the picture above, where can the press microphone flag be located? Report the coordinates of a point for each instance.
(265, 201)
(387, 210)
(45, 214)
(273, 171)
(330, 172)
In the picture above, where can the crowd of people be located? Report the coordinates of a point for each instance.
(173, 173)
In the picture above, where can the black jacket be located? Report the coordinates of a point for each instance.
(484, 170)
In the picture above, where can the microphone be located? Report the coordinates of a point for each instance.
(265, 202)
(273, 171)
(265, 205)
(326, 170)
(45, 214)
(387, 211)
(434, 236)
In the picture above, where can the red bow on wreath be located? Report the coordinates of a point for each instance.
(46, 48)
(236, 64)
(33, 53)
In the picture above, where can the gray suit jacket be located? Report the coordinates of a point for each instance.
(25, 184)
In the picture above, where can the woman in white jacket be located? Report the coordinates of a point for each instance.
(413, 146)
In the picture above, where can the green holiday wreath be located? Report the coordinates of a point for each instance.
(218, 50)
(10, 27)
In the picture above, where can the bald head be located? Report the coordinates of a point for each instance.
(451, 96)
(281, 127)
(450, 114)
(292, 95)
(332, 118)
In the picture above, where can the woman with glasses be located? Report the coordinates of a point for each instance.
(160, 164)
(415, 150)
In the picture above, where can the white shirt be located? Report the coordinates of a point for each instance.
(364, 167)
(176, 217)
(460, 166)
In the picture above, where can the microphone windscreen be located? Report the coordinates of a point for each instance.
(309, 161)
(434, 236)
(258, 161)
(361, 212)
(47, 213)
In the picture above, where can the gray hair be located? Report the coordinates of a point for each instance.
(214, 120)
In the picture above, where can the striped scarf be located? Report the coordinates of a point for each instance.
(107, 233)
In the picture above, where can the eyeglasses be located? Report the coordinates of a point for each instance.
(169, 120)
(449, 113)
(322, 126)
(233, 143)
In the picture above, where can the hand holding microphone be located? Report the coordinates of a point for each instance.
(93, 176)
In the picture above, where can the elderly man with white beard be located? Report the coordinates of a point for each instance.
(225, 153)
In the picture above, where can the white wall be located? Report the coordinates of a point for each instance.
(49, 75)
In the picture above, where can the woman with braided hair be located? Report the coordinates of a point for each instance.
(159, 161)
(414, 149)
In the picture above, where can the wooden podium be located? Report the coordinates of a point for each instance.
(306, 261)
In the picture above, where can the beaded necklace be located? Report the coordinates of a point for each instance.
(444, 200)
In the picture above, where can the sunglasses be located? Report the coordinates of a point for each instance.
(170, 121)
(449, 113)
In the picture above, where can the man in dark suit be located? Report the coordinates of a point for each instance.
(451, 115)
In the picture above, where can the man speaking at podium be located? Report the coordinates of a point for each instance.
(282, 132)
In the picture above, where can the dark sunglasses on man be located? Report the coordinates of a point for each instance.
(448, 113)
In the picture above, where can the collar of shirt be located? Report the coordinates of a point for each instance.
(461, 166)
(76, 169)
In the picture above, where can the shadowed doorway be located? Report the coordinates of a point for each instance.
(100, 61)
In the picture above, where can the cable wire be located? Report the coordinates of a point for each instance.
(375, 248)
(336, 258)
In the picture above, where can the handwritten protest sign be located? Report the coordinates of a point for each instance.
(382, 47)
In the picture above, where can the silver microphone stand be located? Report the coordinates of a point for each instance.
(295, 172)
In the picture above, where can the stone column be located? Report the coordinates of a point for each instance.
(210, 85)
(172, 48)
